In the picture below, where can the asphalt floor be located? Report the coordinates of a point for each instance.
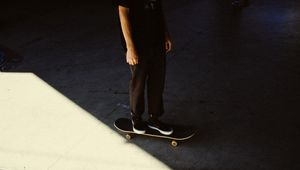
(233, 73)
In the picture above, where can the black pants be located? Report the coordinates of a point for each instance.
(150, 73)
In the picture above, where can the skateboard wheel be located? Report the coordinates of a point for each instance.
(174, 143)
(128, 136)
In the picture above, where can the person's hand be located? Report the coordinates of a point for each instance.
(132, 57)
(168, 43)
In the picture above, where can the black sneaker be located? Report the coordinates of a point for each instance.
(138, 125)
(159, 126)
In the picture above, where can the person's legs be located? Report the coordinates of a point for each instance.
(136, 90)
(155, 89)
(136, 95)
(150, 69)
(155, 85)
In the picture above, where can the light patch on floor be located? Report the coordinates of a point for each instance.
(42, 129)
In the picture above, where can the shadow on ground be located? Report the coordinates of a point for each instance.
(232, 74)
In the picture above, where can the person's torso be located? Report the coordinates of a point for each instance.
(147, 22)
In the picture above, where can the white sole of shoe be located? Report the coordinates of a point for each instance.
(160, 131)
(139, 131)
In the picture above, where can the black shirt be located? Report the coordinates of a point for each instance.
(147, 23)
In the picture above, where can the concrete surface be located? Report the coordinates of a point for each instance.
(233, 74)
(48, 131)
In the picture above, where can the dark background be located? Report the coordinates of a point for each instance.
(234, 74)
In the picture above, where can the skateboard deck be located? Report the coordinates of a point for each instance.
(180, 133)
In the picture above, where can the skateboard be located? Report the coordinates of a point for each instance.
(179, 133)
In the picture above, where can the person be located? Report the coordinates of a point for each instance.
(146, 41)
